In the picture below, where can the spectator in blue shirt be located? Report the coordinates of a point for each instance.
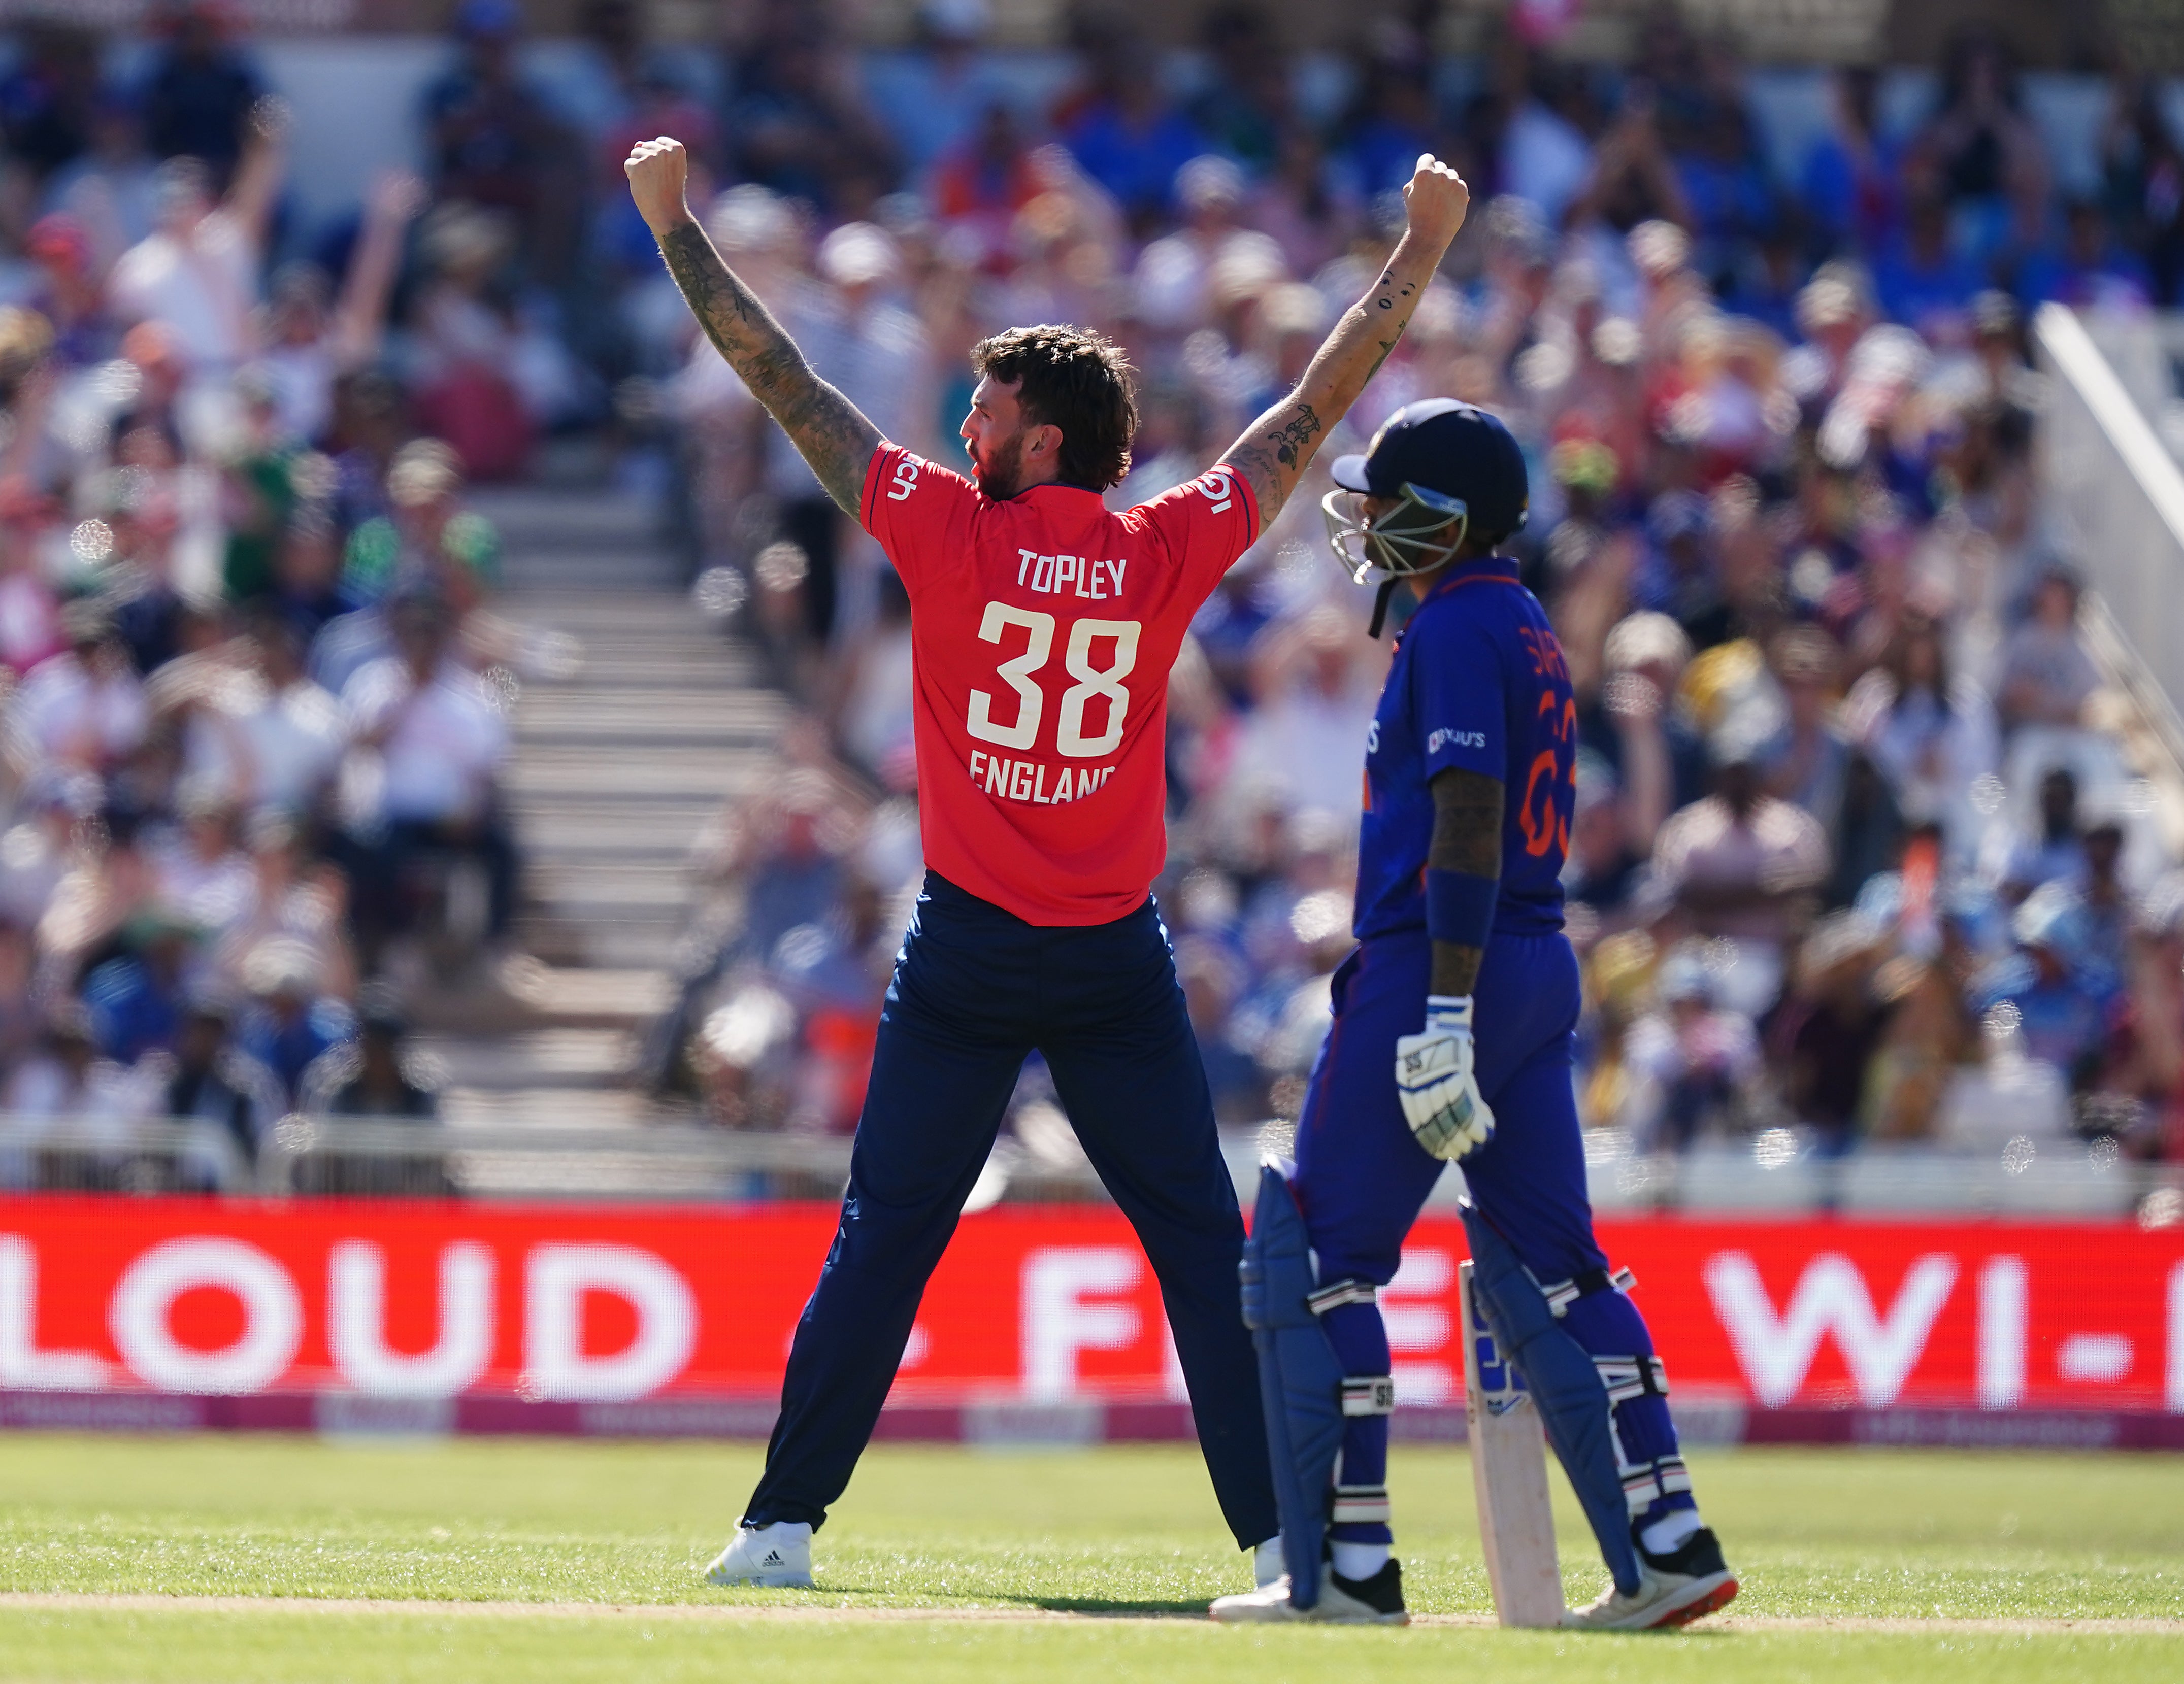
(135, 998)
(1848, 186)
(289, 1020)
(1124, 131)
(492, 139)
(934, 93)
(46, 100)
(2062, 1007)
(1766, 282)
(1246, 112)
(1392, 121)
(201, 91)
(1922, 281)
(2092, 270)
(1717, 164)
(1986, 156)
(2142, 164)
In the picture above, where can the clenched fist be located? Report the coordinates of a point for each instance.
(657, 171)
(1437, 200)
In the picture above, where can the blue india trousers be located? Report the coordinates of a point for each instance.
(1361, 1177)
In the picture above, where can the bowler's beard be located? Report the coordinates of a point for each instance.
(1000, 475)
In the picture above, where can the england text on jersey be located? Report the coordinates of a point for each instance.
(1034, 780)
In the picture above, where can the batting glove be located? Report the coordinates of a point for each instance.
(1433, 1078)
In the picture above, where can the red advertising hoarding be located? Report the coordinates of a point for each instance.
(118, 1299)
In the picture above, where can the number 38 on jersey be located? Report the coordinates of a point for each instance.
(1087, 724)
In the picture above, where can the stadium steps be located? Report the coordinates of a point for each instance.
(626, 740)
(564, 1058)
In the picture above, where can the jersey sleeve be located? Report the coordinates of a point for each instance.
(919, 512)
(1205, 523)
(1460, 697)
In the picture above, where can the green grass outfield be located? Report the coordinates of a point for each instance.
(954, 1564)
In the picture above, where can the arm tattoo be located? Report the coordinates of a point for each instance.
(1387, 350)
(1467, 836)
(1277, 448)
(1294, 434)
(828, 431)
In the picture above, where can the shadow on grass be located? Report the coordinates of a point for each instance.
(1117, 1608)
(881, 1601)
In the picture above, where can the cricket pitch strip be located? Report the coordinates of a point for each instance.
(823, 1613)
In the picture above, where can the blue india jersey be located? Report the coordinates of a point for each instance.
(1479, 684)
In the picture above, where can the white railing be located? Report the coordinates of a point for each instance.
(2119, 496)
(396, 1157)
(393, 1157)
(111, 1155)
(1776, 1174)
(1772, 1175)
(399, 1156)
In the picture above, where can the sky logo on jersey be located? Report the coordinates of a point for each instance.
(1459, 739)
(1032, 781)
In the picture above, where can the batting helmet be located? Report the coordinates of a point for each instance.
(1442, 461)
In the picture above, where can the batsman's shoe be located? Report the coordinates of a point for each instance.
(777, 1557)
(1687, 1584)
(1377, 1601)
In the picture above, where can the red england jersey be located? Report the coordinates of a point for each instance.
(1042, 630)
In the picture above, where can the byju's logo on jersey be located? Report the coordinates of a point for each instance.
(1445, 738)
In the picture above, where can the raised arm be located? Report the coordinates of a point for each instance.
(1275, 449)
(395, 198)
(262, 169)
(830, 432)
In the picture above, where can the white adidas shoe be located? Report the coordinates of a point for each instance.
(1377, 1601)
(1673, 1590)
(777, 1557)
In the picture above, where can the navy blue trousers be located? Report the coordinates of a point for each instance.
(1363, 1178)
(976, 989)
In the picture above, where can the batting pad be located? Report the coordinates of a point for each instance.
(1300, 1379)
(1566, 1388)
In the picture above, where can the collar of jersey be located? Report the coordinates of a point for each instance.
(1057, 486)
(1499, 569)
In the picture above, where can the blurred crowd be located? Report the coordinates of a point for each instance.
(252, 691)
(1859, 853)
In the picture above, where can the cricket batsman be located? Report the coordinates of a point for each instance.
(1452, 1041)
(1043, 627)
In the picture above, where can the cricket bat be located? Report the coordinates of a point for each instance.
(1508, 1476)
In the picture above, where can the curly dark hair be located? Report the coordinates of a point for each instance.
(1073, 379)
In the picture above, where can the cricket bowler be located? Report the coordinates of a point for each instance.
(1043, 626)
(1452, 1041)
